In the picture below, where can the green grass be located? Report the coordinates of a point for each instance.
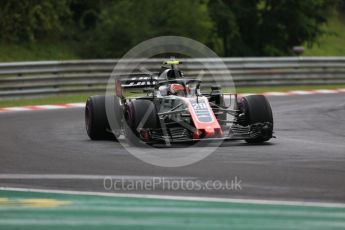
(330, 44)
(82, 98)
(44, 101)
(285, 88)
(42, 50)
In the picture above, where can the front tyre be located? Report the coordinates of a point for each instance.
(257, 110)
(96, 121)
(140, 115)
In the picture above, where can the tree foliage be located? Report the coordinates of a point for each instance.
(268, 27)
(28, 20)
(109, 28)
(125, 23)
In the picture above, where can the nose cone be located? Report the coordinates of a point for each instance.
(209, 131)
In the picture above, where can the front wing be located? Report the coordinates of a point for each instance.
(235, 132)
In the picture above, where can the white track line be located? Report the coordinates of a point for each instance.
(15, 176)
(81, 105)
(301, 92)
(180, 198)
(15, 109)
(44, 107)
(76, 105)
(325, 91)
(274, 94)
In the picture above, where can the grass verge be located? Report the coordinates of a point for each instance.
(43, 50)
(82, 98)
(285, 88)
(44, 101)
(333, 43)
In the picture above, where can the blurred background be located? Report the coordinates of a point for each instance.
(88, 29)
(269, 45)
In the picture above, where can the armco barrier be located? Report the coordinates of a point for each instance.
(43, 78)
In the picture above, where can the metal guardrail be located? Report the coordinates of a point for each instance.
(43, 78)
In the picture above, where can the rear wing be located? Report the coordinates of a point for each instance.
(138, 81)
(134, 81)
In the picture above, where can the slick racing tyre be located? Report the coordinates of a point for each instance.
(96, 121)
(258, 110)
(140, 114)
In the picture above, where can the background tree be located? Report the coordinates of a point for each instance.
(22, 20)
(268, 27)
(125, 23)
(109, 28)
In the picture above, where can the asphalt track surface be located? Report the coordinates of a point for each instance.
(305, 162)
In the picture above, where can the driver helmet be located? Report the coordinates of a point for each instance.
(176, 89)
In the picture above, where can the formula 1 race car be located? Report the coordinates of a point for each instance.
(175, 110)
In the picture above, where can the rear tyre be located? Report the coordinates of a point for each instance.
(258, 110)
(140, 114)
(96, 121)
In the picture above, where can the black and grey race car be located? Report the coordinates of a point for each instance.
(174, 109)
